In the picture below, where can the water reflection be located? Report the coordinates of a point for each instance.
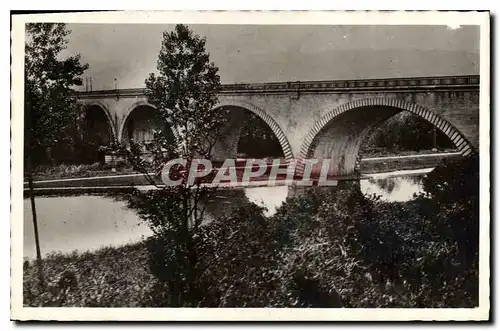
(269, 197)
(80, 223)
(400, 188)
(225, 201)
(90, 222)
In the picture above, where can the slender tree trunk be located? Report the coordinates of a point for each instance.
(35, 222)
(434, 138)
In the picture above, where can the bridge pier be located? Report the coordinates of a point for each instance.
(226, 146)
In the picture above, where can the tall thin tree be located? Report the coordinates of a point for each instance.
(185, 93)
(49, 100)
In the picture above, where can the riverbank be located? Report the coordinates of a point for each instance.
(69, 220)
(66, 171)
(91, 279)
(54, 173)
(127, 183)
(93, 176)
(96, 279)
(383, 152)
(369, 165)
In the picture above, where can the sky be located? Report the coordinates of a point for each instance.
(270, 53)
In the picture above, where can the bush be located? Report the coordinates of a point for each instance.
(332, 247)
(90, 279)
(238, 256)
(341, 249)
(406, 132)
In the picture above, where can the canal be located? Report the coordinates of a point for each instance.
(88, 222)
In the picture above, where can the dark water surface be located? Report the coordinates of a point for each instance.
(89, 222)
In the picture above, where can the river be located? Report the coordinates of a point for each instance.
(89, 222)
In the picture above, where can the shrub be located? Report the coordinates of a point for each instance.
(338, 248)
(94, 279)
(238, 258)
(328, 248)
(406, 132)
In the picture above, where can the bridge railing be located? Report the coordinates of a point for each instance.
(385, 83)
(437, 82)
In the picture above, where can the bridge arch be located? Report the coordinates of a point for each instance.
(129, 112)
(97, 104)
(270, 121)
(356, 127)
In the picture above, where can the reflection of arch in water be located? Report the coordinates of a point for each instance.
(140, 122)
(225, 202)
(399, 188)
(386, 184)
(238, 113)
(339, 134)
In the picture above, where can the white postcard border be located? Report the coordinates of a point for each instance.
(19, 312)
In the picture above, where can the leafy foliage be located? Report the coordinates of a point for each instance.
(238, 259)
(420, 253)
(50, 102)
(94, 279)
(406, 132)
(184, 93)
(340, 249)
(329, 248)
(46, 172)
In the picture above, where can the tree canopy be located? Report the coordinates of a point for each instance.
(184, 93)
(49, 98)
(185, 90)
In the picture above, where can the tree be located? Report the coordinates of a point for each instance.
(406, 132)
(184, 93)
(49, 99)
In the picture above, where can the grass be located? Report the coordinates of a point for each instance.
(109, 277)
(376, 166)
(381, 152)
(79, 170)
(65, 171)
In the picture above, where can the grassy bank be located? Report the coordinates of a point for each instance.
(64, 171)
(376, 166)
(383, 152)
(327, 248)
(80, 171)
(109, 277)
(297, 258)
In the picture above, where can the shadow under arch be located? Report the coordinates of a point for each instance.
(129, 112)
(353, 120)
(276, 129)
(97, 104)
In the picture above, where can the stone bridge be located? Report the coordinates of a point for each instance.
(324, 119)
